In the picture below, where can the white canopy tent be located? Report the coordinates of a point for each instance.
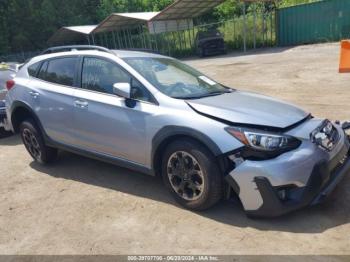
(177, 16)
(72, 34)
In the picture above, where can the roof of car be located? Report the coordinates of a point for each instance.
(118, 53)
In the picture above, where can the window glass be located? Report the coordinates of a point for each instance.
(139, 92)
(33, 69)
(100, 75)
(175, 79)
(42, 71)
(60, 71)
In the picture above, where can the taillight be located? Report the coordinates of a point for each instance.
(9, 84)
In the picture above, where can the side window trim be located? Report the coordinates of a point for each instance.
(80, 76)
(76, 76)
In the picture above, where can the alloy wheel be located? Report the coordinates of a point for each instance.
(31, 143)
(185, 175)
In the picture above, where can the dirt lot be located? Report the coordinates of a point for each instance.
(81, 206)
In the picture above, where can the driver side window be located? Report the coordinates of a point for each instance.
(100, 75)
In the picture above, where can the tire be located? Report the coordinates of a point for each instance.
(34, 143)
(196, 190)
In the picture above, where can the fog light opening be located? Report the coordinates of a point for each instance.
(287, 193)
(282, 194)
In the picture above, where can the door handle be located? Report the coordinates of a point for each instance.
(34, 94)
(81, 103)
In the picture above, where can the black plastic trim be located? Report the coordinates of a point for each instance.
(171, 131)
(18, 104)
(97, 156)
(233, 184)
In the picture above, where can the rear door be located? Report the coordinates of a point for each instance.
(51, 92)
(108, 124)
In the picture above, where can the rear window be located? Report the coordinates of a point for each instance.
(59, 71)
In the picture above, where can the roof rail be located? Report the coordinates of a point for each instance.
(66, 48)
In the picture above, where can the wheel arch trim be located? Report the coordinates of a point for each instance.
(19, 104)
(169, 132)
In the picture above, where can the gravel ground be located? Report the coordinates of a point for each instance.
(82, 206)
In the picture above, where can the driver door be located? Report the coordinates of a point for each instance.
(105, 123)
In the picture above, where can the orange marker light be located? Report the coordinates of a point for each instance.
(344, 66)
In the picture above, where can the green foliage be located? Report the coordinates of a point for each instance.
(26, 25)
(234, 8)
(286, 3)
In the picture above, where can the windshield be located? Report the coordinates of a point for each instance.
(175, 79)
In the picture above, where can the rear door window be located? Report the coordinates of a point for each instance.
(42, 71)
(33, 69)
(59, 71)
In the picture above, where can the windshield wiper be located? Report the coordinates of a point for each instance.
(214, 93)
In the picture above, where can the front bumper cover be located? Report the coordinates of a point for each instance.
(320, 185)
(310, 173)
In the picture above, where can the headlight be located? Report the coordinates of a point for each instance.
(264, 142)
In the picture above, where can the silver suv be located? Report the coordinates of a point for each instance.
(156, 115)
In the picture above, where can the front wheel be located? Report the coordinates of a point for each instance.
(191, 174)
(34, 143)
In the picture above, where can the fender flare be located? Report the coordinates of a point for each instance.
(171, 131)
(19, 104)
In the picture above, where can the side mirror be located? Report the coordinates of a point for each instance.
(122, 89)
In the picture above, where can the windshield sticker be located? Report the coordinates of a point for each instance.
(207, 80)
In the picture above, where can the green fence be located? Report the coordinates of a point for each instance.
(323, 21)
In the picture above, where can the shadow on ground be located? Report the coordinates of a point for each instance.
(10, 140)
(333, 213)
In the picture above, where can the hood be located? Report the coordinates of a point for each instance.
(250, 109)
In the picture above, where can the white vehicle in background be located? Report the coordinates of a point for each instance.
(7, 72)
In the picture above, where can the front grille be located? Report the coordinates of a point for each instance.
(325, 136)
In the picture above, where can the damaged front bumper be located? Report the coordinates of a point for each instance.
(302, 177)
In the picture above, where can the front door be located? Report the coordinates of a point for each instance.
(106, 123)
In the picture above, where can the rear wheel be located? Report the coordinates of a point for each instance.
(191, 174)
(34, 143)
